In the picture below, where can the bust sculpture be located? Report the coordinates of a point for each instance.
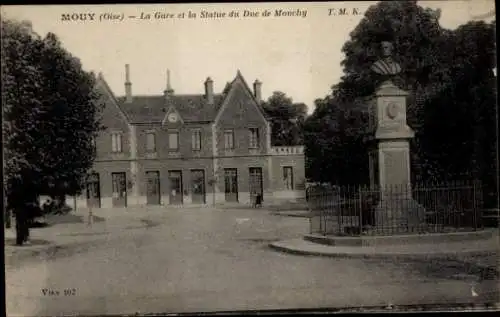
(386, 65)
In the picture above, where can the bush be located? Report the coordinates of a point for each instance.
(55, 206)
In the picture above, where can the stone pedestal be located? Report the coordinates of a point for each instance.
(391, 162)
(398, 213)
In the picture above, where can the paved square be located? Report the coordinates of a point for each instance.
(206, 260)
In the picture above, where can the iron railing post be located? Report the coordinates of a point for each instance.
(360, 210)
(337, 209)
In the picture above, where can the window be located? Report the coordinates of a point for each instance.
(116, 142)
(173, 141)
(119, 184)
(196, 140)
(228, 139)
(150, 142)
(253, 138)
(288, 177)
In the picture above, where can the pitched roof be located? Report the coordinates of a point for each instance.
(101, 81)
(191, 108)
(239, 77)
(152, 109)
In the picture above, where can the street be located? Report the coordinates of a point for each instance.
(211, 260)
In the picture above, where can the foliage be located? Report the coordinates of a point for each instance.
(335, 150)
(451, 105)
(69, 123)
(287, 119)
(54, 207)
(50, 109)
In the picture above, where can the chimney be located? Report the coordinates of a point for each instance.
(257, 90)
(128, 85)
(168, 90)
(209, 91)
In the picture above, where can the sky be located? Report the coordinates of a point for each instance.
(299, 55)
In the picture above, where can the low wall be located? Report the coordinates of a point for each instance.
(428, 238)
(330, 224)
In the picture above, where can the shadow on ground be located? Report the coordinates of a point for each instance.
(33, 242)
(145, 223)
(264, 241)
(70, 218)
(478, 269)
(52, 220)
(149, 223)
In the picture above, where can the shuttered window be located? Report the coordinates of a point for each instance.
(116, 142)
(173, 141)
(196, 140)
(253, 135)
(150, 142)
(228, 139)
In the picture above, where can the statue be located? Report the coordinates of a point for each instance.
(386, 65)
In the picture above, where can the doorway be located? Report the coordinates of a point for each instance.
(153, 188)
(175, 190)
(198, 186)
(93, 191)
(119, 189)
(256, 184)
(231, 184)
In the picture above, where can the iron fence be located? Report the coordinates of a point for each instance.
(401, 209)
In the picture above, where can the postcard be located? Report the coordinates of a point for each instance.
(250, 157)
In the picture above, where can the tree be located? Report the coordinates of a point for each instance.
(20, 106)
(334, 147)
(414, 31)
(70, 121)
(418, 42)
(449, 76)
(50, 117)
(287, 119)
(459, 132)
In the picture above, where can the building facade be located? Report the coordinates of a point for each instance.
(172, 149)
